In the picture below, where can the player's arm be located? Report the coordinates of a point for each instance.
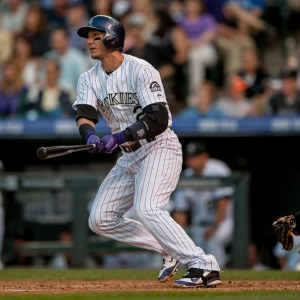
(182, 207)
(222, 205)
(86, 119)
(154, 122)
(181, 217)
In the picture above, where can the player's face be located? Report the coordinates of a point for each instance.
(197, 162)
(95, 44)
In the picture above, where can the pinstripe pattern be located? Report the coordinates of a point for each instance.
(130, 84)
(143, 179)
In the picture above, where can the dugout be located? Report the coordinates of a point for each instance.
(266, 148)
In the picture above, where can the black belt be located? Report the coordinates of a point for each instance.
(133, 146)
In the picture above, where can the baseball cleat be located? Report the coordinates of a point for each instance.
(198, 278)
(168, 269)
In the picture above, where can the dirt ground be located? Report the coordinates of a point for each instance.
(35, 287)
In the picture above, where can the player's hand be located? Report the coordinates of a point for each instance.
(284, 227)
(209, 232)
(110, 143)
(92, 138)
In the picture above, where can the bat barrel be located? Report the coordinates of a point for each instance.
(54, 151)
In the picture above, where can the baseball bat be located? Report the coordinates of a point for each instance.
(54, 151)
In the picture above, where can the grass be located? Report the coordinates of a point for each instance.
(132, 274)
(265, 295)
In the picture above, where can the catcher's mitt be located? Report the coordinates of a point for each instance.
(284, 227)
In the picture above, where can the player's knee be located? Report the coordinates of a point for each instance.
(143, 213)
(102, 222)
(94, 224)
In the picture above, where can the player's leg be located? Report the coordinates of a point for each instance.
(113, 200)
(155, 181)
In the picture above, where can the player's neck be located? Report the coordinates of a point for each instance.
(113, 61)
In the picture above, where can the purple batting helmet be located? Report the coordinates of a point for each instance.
(114, 31)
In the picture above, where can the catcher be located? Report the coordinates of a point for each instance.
(284, 229)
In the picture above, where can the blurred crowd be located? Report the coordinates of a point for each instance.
(217, 58)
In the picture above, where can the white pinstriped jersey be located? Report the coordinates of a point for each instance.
(142, 179)
(121, 96)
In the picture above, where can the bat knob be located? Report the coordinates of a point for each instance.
(41, 153)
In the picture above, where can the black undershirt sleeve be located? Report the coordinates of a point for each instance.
(87, 111)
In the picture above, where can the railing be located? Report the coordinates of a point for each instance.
(81, 184)
(184, 127)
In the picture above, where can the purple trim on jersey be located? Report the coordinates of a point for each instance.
(196, 28)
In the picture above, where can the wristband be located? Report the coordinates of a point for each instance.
(86, 131)
(119, 137)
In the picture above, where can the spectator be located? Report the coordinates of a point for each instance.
(287, 101)
(246, 14)
(171, 38)
(230, 40)
(201, 29)
(175, 10)
(72, 61)
(102, 7)
(152, 54)
(142, 49)
(173, 41)
(6, 42)
(120, 7)
(35, 30)
(13, 17)
(50, 101)
(1, 221)
(256, 80)
(235, 103)
(29, 64)
(146, 8)
(252, 73)
(76, 18)
(210, 211)
(12, 90)
(56, 16)
(288, 260)
(205, 106)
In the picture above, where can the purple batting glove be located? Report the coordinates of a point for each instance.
(111, 142)
(92, 138)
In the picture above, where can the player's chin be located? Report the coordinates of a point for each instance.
(94, 55)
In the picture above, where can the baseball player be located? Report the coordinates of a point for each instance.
(211, 210)
(129, 94)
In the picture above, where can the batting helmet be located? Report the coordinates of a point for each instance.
(114, 31)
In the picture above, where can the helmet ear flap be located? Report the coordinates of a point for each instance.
(109, 40)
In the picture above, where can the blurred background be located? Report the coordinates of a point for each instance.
(230, 70)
